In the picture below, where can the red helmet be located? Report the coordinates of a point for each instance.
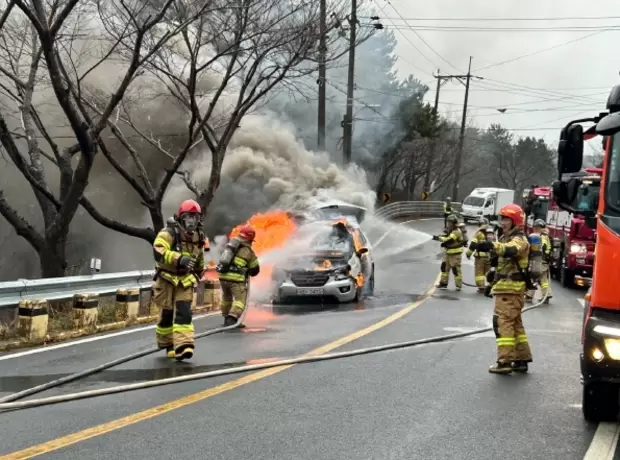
(188, 206)
(247, 232)
(514, 212)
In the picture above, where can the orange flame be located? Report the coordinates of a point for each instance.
(325, 265)
(273, 229)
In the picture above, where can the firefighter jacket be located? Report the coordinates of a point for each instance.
(170, 245)
(479, 237)
(447, 208)
(453, 242)
(244, 263)
(512, 252)
(546, 244)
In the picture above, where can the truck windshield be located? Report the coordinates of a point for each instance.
(539, 209)
(587, 197)
(476, 201)
(612, 191)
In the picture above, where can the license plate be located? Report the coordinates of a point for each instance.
(310, 291)
(580, 260)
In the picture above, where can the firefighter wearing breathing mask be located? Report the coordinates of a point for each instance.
(540, 228)
(179, 260)
(453, 244)
(238, 261)
(510, 284)
(481, 259)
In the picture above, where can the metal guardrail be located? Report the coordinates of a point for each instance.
(414, 209)
(65, 288)
(107, 283)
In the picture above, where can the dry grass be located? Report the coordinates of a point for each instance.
(107, 310)
(60, 316)
(8, 331)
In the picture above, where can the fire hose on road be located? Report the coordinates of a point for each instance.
(8, 402)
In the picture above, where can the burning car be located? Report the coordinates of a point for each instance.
(334, 260)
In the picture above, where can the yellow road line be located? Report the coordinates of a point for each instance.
(114, 425)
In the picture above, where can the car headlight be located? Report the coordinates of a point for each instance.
(613, 348)
(340, 276)
(578, 248)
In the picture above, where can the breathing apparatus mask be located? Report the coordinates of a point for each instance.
(189, 222)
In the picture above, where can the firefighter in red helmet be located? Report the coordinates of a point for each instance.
(179, 259)
(238, 261)
(510, 282)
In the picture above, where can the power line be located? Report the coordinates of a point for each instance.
(602, 28)
(539, 51)
(574, 18)
(423, 40)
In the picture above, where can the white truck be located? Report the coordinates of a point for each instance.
(485, 202)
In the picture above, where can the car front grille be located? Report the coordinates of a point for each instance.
(309, 279)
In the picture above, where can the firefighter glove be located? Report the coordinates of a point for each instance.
(485, 246)
(491, 275)
(435, 238)
(186, 263)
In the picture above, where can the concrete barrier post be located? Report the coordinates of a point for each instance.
(127, 304)
(33, 317)
(85, 311)
(212, 294)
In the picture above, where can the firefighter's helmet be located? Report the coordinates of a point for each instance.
(247, 232)
(513, 212)
(483, 221)
(452, 218)
(540, 223)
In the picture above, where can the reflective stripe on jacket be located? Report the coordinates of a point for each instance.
(512, 247)
(168, 248)
(454, 242)
(243, 264)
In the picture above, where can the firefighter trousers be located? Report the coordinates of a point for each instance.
(511, 339)
(481, 266)
(175, 327)
(545, 285)
(234, 298)
(451, 262)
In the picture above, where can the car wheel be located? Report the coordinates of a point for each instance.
(567, 277)
(600, 402)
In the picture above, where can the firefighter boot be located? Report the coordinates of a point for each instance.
(170, 352)
(520, 366)
(185, 352)
(501, 368)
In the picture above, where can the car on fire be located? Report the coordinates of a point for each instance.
(333, 258)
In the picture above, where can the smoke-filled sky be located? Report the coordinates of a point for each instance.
(578, 75)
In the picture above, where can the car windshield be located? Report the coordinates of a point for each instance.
(331, 241)
(587, 196)
(476, 201)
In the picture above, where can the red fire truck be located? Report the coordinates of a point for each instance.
(572, 258)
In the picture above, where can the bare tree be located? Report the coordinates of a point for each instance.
(37, 51)
(222, 67)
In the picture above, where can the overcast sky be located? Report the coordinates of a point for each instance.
(569, 81)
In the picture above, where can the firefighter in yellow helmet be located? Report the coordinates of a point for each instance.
(453, 244)
(179, 258)
(481, 259)
(238, 261)
(510, 283)
(540, 227)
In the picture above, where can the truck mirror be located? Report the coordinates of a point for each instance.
(570, 150)
(609, 125)
(565, 192)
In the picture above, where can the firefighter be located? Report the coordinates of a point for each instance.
(447, 211)
(510, 284)
(540, 227)
(238, 261)
(463, 229)
(453, 244)
(179, 259)
(481, 259)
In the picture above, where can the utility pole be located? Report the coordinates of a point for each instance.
(441, 80)
(348, 118)
(459, 152)
(322, 75)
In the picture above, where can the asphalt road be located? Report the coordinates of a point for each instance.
(430, 402)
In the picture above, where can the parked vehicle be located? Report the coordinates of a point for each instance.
(485, 202)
